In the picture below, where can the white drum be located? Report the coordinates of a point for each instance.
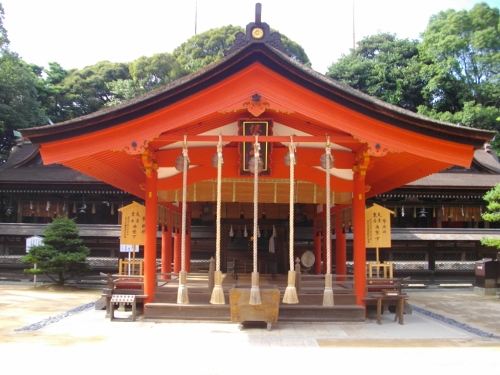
(307, 259)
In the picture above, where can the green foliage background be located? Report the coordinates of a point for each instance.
(451, 74)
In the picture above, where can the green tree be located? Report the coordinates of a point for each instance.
(296, 50)
(205, 48)
(19, 107)
(87, 90)
(4, 40)
(461, 51)
(492, 214)
(149, 73)
(62, 255)
(51, 92)
(122, 90)
(210, 46)
(384, 67)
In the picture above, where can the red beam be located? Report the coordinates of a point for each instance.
(250, 138)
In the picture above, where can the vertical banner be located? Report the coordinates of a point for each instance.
(133, 224)
(378, 226)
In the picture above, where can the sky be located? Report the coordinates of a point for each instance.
(77, 34)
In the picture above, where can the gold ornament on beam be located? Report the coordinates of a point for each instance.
(257, 106)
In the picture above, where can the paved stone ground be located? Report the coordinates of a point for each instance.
(447, 330)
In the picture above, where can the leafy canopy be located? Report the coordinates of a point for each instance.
(460, 51)
(384, 67)
(19, 106)
(492, 214)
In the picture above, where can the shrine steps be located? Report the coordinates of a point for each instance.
(310, 309)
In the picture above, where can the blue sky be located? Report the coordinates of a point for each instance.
(77, 34)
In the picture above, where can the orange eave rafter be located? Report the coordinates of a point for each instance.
(237, 89)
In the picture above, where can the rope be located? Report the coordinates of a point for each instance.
(255, 202)
(290, 295)
(328, 219)
(292, 201)
(255, 291)
(218, 293)
(182, 294)
(184, 208)
(328, 294)
(219, 204)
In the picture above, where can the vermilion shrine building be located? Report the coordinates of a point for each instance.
(257, 87)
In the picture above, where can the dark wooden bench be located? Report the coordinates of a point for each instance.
(378, 286)
(382, 299)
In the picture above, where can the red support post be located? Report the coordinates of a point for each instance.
(340, 247)
(177, 252)
(150, 236)
(359, 247)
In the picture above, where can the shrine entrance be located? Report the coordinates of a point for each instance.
(192, 142)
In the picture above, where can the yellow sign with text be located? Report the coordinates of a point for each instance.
(133, 224)
(378, 226)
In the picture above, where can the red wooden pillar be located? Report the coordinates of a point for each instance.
(166, 252)
(177, 251)
(150, 235)
(340, 246)
(359, 224)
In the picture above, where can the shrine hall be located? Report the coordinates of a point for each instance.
(256, 128)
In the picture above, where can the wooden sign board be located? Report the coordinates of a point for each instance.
(133, 224)
(378, 226)
(32, 242)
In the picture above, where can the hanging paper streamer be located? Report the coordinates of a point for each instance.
(272, 244)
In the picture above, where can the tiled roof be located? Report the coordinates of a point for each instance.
(485, 175)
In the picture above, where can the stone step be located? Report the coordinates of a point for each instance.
(222, 313)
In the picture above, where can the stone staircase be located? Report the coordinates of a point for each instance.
(309, 309)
